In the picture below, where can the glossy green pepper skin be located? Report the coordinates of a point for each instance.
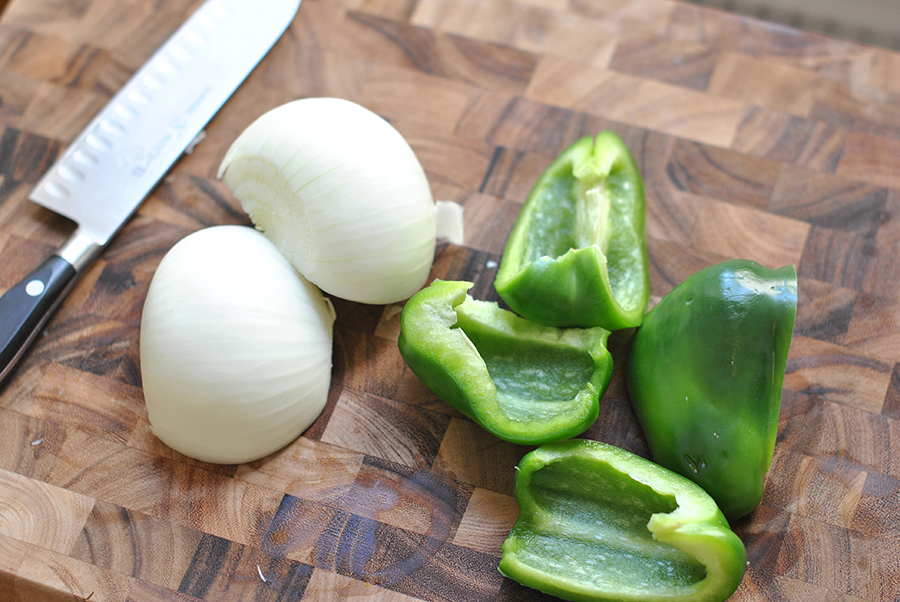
(597, 522)
(577, 254)
(523, 382)
(705, 372)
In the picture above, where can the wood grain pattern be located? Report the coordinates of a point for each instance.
(754, 141)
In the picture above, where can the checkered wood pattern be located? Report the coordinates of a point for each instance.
(754, 141)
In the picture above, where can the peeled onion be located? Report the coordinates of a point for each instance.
(236, 347)
(342, 195)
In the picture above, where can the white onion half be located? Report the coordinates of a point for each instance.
(236, 347)
(341, 194)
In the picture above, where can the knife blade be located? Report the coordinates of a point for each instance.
(127, 148)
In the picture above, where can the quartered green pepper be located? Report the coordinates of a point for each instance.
(599, 523)
(577, 254)
(521, 381)
(705, 372)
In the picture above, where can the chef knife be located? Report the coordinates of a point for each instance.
(124, 152)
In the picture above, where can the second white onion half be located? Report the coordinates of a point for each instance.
(236, 347)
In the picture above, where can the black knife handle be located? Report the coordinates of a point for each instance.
(26, 307)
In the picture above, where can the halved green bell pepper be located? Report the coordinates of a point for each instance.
(521, 381)
(597, 522)
(577, 254)
(705, 372)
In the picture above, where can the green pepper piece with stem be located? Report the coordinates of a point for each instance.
(523, 382)
(704, 375)
(577, 254)
(597, 522)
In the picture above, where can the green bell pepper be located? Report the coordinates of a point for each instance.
(523, 382)
(705, 372)
(577, 254)
(597, 522)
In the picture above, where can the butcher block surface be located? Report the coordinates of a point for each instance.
(754, 141)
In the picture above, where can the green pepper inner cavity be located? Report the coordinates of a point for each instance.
(605, 528)
(532, 377)
(623, 250)
(551, 234)
(609, 567)
(585, 208)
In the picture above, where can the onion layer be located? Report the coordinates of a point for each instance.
(341, 194)
(235, 347)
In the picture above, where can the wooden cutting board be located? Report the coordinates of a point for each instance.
(754, 140)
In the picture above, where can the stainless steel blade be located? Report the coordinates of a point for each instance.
(130, 145)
